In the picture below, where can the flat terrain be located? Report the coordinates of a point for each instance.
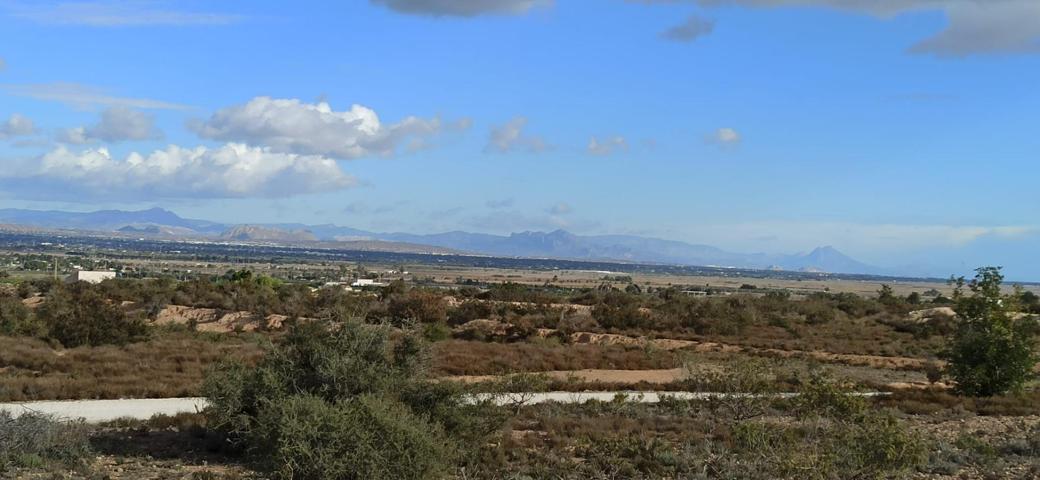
(527, 335)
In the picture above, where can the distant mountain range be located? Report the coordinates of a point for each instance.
(161, 223)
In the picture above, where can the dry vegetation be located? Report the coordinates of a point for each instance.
(171, 365)
(158, 338)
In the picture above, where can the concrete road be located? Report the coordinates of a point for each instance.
(142, 409)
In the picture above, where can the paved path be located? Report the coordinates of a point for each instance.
(105, 410)
(143, 409)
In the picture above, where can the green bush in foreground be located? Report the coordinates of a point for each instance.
(368, 437)
(33, 440)
(346, 402)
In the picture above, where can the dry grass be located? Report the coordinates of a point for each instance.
(936, 401)
(860, 336)
(172, 365)
(458, 357)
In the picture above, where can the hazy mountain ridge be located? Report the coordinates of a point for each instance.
(260, 233)
(106, 219)
(556, 244)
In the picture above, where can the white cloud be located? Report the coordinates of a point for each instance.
(83, 96)
(74, 136)
(462, 8)
(115, 14)
(289, 125)
(607, 146)
(973, 26)
(116, 124)
(693, 28)
(233, 170)
(724, 136)
(511, 136)
(17, 125)
(3, 64)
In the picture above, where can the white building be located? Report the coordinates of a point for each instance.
(90, 277)
(366, 282)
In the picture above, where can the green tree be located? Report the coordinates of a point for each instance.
(991, 351)
(886, 296)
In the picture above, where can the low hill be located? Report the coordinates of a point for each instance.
(257, 233)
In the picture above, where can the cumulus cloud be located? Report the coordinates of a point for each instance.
(462, 8)
(116, 124)
(724, 137)
(607, 146)
(84, 96)
(511, 137)
(115, 14)
(693, 28)
(233, 170)
(973, 26)
(16, 125)
(292, 126)
(73, 136)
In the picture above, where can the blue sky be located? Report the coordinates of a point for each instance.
(902, 132)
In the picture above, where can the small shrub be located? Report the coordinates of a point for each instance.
(822, 396)
(747, 387)
(519, 389)
(436, 332)
(34, 440)
(878, 445)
